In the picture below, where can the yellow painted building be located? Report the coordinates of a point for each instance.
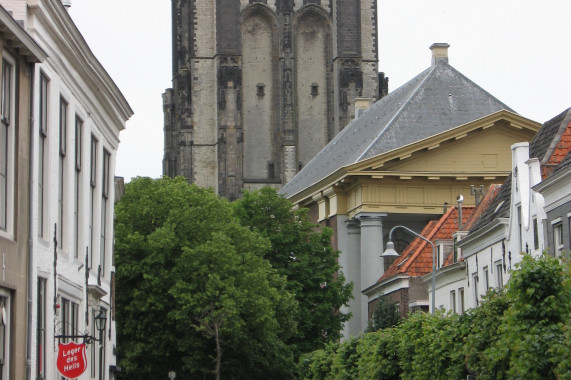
(401, 162)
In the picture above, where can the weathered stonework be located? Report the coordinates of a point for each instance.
(260, 86)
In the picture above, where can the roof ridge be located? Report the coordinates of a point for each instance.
(430, 70)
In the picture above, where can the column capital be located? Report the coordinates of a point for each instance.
(371, 219)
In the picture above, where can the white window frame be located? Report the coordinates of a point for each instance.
(453, 301)
(62, 168)
(475, 286)
(78, 149)
(7, 171)
(43, 156)
(486, 278)
(499, 274)
(5, 320)
(558, 238)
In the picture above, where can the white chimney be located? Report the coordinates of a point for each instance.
(66, 3)
(439, 52)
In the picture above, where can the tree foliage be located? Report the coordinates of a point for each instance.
(386, 314)
(195, 294)
(301, 251)
(520, 333)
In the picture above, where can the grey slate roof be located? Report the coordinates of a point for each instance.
(436, 100)
(541, 148)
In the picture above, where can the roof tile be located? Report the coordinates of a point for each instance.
(416, 259)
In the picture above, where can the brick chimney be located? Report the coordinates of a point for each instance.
(439, 52)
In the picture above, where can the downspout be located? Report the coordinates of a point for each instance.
(30, 230)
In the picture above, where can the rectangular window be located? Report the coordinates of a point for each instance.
(7, 143)
(64, 318)
(42, 155)
(102, 355)
(455, 257)
(69, 318)
(453, 301)
(93, 346)
(77, 200)
(104, 202)
(62, 176)
(4, 334)
(486, 279)
(475, 287)
(93, 185)
(535, 234)
(41, 330)
(461, 301)
(519, 229)
(499, 274)
(558, 239)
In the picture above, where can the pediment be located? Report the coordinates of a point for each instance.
(480, 149)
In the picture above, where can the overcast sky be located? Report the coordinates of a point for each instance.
(517, 50)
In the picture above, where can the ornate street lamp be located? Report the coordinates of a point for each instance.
(390, 252)
(100, 321)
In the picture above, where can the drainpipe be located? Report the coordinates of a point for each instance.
(30, 230)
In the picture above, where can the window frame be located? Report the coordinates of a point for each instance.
(78, 130)
(41, 328)
(475, 281)
(43, 151)
(558, 243)
(63, 131)
(5, 330)
(7, 145)
(499, 274)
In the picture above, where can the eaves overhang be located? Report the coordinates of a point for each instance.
(489, 228)
(388, 281)
(19, 39)
(553, 179)
(369, 167)
(440, 272)
(76, 49)
(336, 178)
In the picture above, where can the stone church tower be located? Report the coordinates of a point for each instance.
(259, 87)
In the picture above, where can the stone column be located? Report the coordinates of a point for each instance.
(372, 265)
(350, 262)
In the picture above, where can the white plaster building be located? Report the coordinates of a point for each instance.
(78, 112)
(515, 219)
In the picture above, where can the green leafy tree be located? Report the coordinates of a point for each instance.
(532, 327)
(195, 294)
(481, 327)
(301, 251)
(378, 355)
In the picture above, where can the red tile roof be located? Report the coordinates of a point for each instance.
(416, 259)
(559, 152)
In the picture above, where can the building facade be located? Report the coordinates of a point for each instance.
(259, 87)
(529, 214)
(399, 163)
(19, 53)
(76, 113)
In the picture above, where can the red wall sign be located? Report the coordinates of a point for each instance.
(71, 360)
